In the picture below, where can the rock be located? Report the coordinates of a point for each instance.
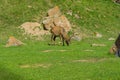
(55, 18)
(77, 16)
(29, 27)
(33, 29)
(113, 49)
(30, 24)
(89, 10)
(54, 11)
(29, 6)
(62, 21)
(77, 38)
(12, 41)
(70, 12)
(97, 35)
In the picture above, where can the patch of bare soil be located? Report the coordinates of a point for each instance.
(54, 50)
(98, 45)
(35, 65)
(88, 50)
(47, 51)
(90, 60)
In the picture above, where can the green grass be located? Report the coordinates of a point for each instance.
(62, 64)
(95, 16)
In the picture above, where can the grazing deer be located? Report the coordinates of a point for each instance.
(57, 31)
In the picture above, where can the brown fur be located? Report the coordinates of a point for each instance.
(60, 32)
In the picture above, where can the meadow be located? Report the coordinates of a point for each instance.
(38, 61)
(80, 61)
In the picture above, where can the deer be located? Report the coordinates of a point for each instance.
(60, 32)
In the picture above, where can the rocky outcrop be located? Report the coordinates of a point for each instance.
(56, 18)
(33, 29)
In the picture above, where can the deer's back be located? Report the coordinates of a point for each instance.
(57, 30)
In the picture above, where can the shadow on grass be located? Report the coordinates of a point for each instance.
(5, 74)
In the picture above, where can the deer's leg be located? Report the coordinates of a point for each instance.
(63, 40)
(60, 39)
(67, 43)
(54, 39)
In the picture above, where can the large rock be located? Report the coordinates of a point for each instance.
(30, 27)
(55, 18)
(33, 29)
(54, 12)
(62, 21)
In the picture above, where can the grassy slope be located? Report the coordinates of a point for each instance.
(103, 13)
(100, 15)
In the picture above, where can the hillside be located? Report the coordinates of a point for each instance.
(90, 16)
